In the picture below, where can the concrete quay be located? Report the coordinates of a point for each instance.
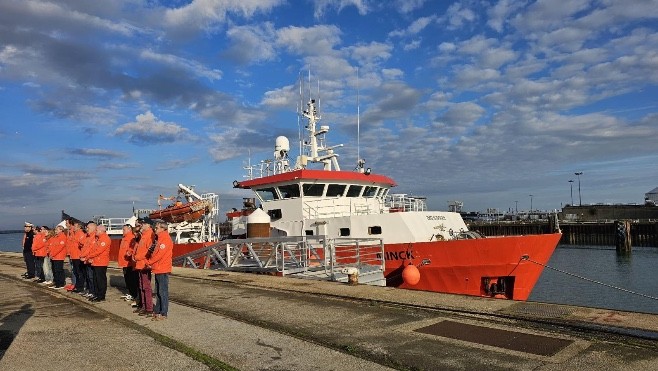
(226, 320)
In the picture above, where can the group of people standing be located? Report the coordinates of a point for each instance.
(143, 253)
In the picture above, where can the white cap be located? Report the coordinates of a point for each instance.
(28, 224)
(62, 224)
(131, 221)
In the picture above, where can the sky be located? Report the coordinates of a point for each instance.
(107, 104)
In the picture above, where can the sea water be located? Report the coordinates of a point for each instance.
(569, 277)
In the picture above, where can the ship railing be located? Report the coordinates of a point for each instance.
(113, 225)
(337, 207)
(305, 256)
(403, 202)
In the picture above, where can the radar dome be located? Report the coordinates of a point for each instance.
(282, 144)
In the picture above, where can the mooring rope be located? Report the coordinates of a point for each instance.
(526, 257)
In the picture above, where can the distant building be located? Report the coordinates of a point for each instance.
(651, 197)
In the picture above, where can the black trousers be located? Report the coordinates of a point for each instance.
(134, 286)
(29, 262)
(131, 284)
(100, 281)
(59, 279)
(77, 272)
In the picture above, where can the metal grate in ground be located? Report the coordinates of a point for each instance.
(511, 340)
(539, 309)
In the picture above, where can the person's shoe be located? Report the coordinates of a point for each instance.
(39, 280)
(145, 313)
(46, 282)
(56, 287)
(28, 277)
(138, 310)
(52, 284)
(96, 300)
(155, 317)
(133, 304)
(91, 298)
(128, 298)
(24, 274)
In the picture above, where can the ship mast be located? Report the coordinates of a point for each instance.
(317, 150)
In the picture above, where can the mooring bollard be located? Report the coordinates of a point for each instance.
(352, 275)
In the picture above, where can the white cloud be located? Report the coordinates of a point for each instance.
(414, 28)
(148, 129)
(316, 40)
(177, 62)
(251, 44)
(321, 6)
(408, 6)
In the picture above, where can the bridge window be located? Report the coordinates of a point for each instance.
(354, 191)
(376, 229)
(267, 194)
(381, 192)
(289, 191)
(344, 232)
(313, 189)
(370, 191)
(336, 190)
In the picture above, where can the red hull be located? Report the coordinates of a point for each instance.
(467, 266)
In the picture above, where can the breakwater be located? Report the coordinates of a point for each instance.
(603, 233)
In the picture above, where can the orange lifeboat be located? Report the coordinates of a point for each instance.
(183, 212)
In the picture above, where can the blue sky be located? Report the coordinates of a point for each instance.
(106, 104)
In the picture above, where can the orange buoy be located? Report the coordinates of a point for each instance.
(411, 275)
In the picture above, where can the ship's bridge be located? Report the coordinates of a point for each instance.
(310, 194)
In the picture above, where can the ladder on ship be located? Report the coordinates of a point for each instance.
(313, 257)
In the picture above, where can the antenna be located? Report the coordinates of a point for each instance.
(358, 123)
(299, 113)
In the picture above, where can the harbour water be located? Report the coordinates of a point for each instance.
(637, 272)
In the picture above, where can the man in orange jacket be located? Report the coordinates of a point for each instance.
(74, 245)
(99, 258)
(57, 255)
(145, 290)
(124, 259)
(160, 263)
(86, 269)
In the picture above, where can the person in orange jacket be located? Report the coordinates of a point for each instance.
(28, 255)
(124, 259)
(160, 263)
(47, 262)
(74, 244)
(99, 258)
(145, 290)
(39, 251)
(57, 255)
(86, 269)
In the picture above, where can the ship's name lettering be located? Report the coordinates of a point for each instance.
(436, 217)
(397, 255)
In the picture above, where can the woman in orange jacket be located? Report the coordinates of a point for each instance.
(39, 251)
(86, 268)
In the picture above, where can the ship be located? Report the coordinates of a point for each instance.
(422, 249)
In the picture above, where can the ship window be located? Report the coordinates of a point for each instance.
(313, 189)
(381, 192)
(370, 191)
(267, 194)
(375, 229)
(344, 232)
(309, 232)
(289, 191)
(334, 190)
(354, 191)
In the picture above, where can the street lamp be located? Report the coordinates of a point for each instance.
(571, 184)
(530, 203)
(580, 200)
